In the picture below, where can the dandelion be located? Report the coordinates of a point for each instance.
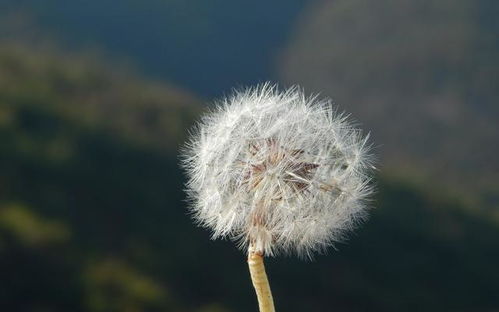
(278, 172)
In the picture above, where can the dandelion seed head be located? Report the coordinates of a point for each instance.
(279, 171)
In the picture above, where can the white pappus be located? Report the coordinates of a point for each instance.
(277, 171)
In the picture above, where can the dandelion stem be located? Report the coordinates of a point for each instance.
(260, 281)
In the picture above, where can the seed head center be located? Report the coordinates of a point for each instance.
(270, 161)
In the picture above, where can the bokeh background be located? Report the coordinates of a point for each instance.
(97, 95)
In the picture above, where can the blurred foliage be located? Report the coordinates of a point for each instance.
(114, 286)
(82, 92)
(421, 75)
(25, 227)
(96, 169)
(93, 218)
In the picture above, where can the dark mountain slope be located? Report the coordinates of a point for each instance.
(421, 75)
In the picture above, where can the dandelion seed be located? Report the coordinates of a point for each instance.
(279, 173)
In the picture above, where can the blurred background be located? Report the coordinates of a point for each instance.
(97, 95)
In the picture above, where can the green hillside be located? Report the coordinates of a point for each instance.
(93, 218)
(85, 91)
